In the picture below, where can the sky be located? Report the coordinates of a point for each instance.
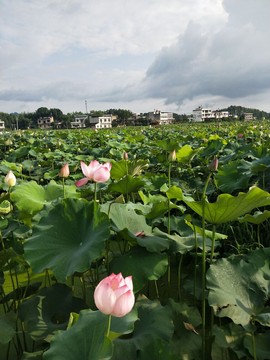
(140, 55)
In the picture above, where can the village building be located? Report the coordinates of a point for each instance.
(248, 116)
(79, 122)
(2, 125)
(161, 117)
(45, 122)
(102, 122)
(201, 114)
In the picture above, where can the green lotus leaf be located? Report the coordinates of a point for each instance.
(155, 324)
(228, 207)
(49, 310)
(239, 286)
(261, 345)
(228, 341)
(185, 153)
(231, 177)
(187, 322)
(159, 205)
(127, 167)
(30, 198)
(141, 264)
(127, 185)
(124, 216)
(7, 327)
(85, 340)
(5, 207)
(257, 218)
(68, 238)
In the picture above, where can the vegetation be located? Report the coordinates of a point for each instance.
(124, 117)
(185, 212)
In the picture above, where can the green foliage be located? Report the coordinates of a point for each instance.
(239, 287)
(68, 239)
(194, 238)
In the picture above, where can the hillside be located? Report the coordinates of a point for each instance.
(240, 110)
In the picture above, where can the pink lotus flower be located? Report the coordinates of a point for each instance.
(114, 295)
(95, 171)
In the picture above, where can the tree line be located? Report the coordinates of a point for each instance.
(124, 117)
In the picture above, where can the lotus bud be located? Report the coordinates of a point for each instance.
(125, 156)
(64, 172)
(172, 156)
(214, 164)
(10, 179)
(114, 295)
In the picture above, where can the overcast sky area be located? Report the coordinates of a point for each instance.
(140, 55)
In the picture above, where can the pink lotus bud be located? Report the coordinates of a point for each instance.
(10, 179)
(214, 164)
(125, 156)
(114, 295)
(140, 234)
(64, 172)
(172, 156)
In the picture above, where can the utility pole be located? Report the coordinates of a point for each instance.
(86, 107)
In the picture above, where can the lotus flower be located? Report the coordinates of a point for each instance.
(10, 179)
(114, 295)
(95, 171)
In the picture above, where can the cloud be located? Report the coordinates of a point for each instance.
(231, 62)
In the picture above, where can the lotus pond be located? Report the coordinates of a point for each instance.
(185, 212)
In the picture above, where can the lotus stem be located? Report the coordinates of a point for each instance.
(204, 270)
(109, 325)
(179, 276)
(254, 346)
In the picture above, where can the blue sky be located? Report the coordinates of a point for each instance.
(134, 54)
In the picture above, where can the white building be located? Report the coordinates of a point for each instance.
(221, 114)
(248, 116)
(79, 122)
(162, 117)
(101, 122)
(2, 125)
(206, 114)
(45, 122)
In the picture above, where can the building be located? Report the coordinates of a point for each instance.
(161, 117)
(101, 122)
(221, 114)
(201, 114)
(45, 122)
(2, 125)
(79, 122)
(248, 116)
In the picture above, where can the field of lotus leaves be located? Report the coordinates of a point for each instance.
(184, 210)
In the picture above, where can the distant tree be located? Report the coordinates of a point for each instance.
(56, 113)
(240, 110)
(42, 112)
(96, 113)
(24, 121)
(122, 114)
(180, 118)
(8, 119)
